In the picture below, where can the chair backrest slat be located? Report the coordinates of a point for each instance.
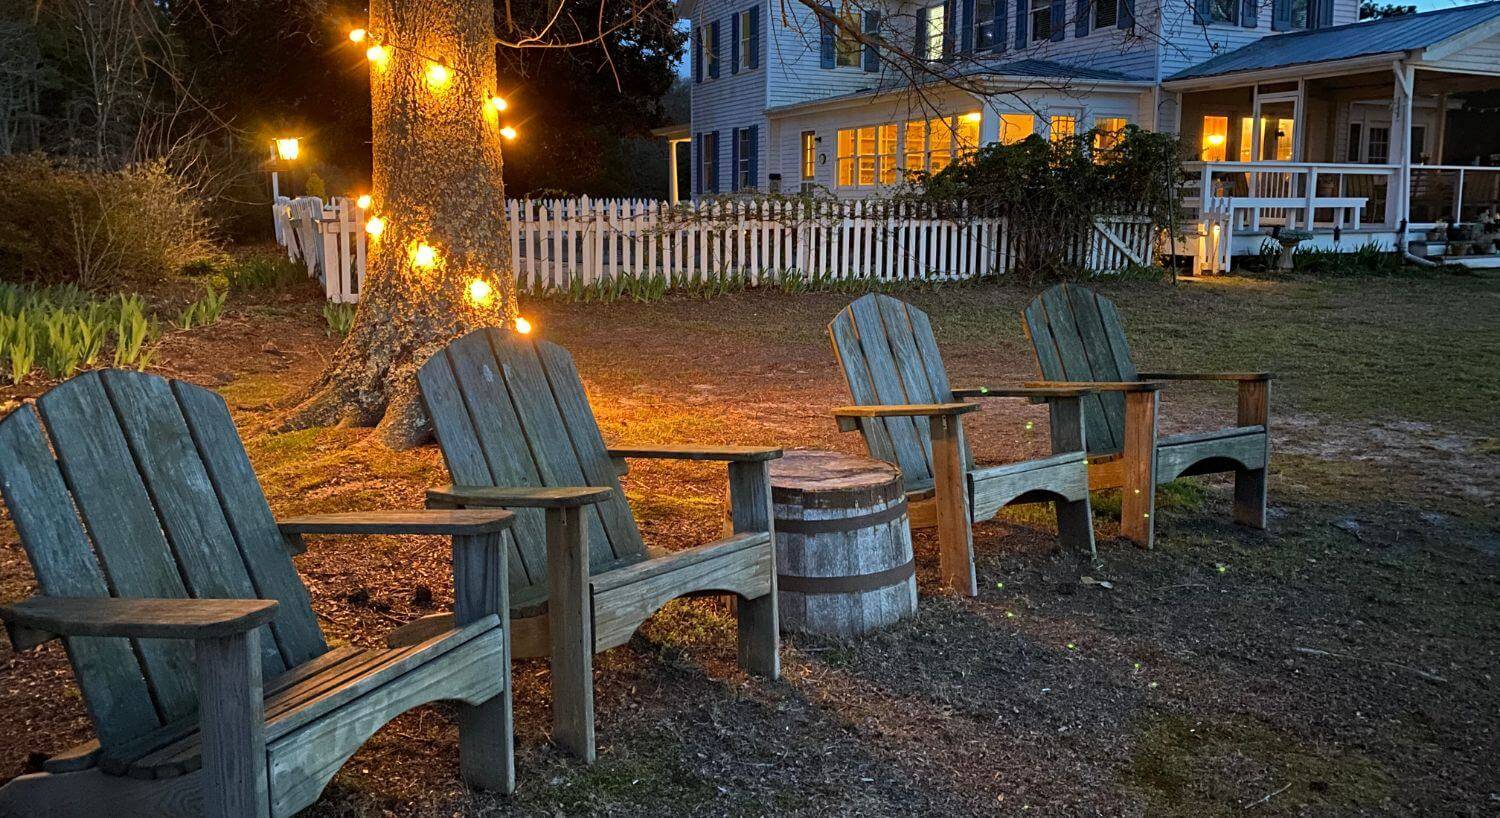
(170, 508)
(889, 356)
(1077, 336)
(512, 412)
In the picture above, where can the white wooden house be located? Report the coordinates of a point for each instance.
(1283, 96)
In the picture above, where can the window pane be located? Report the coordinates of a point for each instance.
(935, 26)
(968, 131)
(1062, 126)
(1016, 127)
(1109, 128)
(849, 51)
(1351, 154)
(940, 160)
(889, 175)
(846, 143)
(1105, 13)
(984, 24)
(1224, 11)
(867, 141)
(1041, 19)
(867, 170)
(939, 134)
(846, 172)
(1215, 139)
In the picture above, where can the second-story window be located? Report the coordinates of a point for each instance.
(1041, 20)
(1228, 11)
(747, 37)
(984, 25)
(708, 54)
(847, 49)
(934, 26)
(1106, 14)
(1299, 13)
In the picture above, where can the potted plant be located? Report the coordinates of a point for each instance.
(1289, 239)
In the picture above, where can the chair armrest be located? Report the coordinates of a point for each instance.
(1207, 376)
(1099, 386)
(847, 416)
(40, 619)
(517, 497)
(455, 522)
(731, 454)
(1039, 393)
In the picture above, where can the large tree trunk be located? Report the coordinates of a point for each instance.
(436, 182)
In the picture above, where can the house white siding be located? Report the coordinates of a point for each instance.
(734, 99)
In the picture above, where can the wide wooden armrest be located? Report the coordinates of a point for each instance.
(454, 522)
(905, 410)
(1099, 386)
(1207, 376)
(1021, 392)
(732, 454)
(518, 496)
(42, 618)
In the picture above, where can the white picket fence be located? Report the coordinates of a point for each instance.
(329, 239)
(557, 244)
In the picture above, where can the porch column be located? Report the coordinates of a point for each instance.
(989, 126)
(1400, 209)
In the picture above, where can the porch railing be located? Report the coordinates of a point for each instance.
(1297, 194)
(1455, 193)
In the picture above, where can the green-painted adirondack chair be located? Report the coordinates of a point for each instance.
(910, 416)
(202, 667)
(515, 427)
(1078, 339)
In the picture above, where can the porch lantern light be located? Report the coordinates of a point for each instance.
(288, 148)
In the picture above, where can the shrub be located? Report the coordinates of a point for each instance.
(62, 222)
(63, 329)
(264, 273)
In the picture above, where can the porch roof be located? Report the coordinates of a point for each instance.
(1388, 35)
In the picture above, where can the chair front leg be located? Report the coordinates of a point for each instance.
(571, 621)
(750, 510)
(1138, 491)
(486, 736)
(231, 721)
(955, 536)
(1075, 519)
(1250, 484)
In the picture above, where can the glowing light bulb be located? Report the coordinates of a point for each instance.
(1216, 139)
(480, 291)
(523, 326)
(424, 257)
(378, 54)
(438, 75)
(972, 116)
(363, 202)
(508, 132)
(375, 226)
(499, 103)
(357, 35)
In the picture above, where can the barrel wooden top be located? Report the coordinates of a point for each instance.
(819, 479)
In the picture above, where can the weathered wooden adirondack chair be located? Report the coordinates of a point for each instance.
(910, 416)
(1078, 339)
(516, 431)
(208, 682)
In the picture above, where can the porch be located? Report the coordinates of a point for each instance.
(1354, 148)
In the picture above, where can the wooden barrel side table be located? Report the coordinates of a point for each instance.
(843, 545)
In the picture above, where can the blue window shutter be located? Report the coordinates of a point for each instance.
(734, 159)
(713, 48)
(697, 36)
(966, 38)
(1059, 9)
(950, 28)
(1281, 15)
(1248, 17)
(921, 45)
(714, 154)
(1002, 34)
(1201, 12)
(825, 40)
(755, 156)
(755, 36)
(872, 54)
(1081, 21)
(1021, 21)
(734, 43)
(695, 161)
(1126, 18)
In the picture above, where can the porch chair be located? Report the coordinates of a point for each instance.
(203, 670)
(1078, 340)
(910, 416)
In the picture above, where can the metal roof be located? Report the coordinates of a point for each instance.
(1056, 70)
(1384, 36)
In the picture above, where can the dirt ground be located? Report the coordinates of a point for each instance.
(1344, 663)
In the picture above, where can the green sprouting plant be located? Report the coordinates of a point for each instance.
(339, 317)
(63, 352)
(133, 332)
(205, 311)
(19, 336)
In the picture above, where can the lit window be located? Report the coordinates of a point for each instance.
(968, 133)
(984, 24)
(1016, 127)
(867, 154)
(1247, 137)
(1285, 139)
(934, 19)
(1041, 20)
(1215, 139)
(916, 146)
(933, 144)
(809, 155)
(1106, 13)
(1110, 130)
(848, 52)
(747, 36)
(1062, 126)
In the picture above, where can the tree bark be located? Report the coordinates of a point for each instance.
(437, 163)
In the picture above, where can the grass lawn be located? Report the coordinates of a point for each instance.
(1343, 663)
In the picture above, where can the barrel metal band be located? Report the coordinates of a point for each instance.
(885, 515)
(859, 583)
